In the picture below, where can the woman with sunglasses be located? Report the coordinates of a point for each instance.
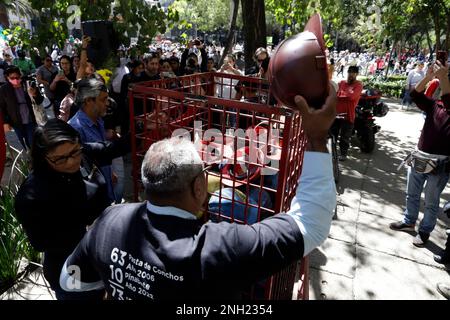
(64, 193)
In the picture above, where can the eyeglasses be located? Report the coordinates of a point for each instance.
(63, 160)
(201, 172)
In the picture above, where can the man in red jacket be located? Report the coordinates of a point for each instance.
(348, 96)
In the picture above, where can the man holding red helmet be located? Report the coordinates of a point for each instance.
(348, 96)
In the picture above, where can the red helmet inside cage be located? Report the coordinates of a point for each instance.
(245, 168)
(299, 67)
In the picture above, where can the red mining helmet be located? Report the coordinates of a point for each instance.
(299, 67)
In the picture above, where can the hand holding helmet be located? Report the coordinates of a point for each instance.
(299, 67)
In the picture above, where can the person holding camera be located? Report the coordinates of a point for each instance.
(189, 58)
(430, 162)
(16, 106)
(61, 83)
(45, 75)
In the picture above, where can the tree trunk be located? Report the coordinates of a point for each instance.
(231, 31)
(430, 45)
(4, 18)
(254, 18)
(390, 58)
(437, 28)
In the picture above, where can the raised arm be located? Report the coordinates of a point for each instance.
(314, 203)
(83, 57)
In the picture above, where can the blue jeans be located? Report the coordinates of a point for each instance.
(435, 185)
(25, 134)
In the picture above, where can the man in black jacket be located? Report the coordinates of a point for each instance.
(16, 106)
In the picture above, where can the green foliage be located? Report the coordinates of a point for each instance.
(14, 245)
(131, 18)
(207, 15)
(392, 86)
(18, 36)
(295, 14)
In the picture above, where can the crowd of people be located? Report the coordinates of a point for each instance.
(78, 169)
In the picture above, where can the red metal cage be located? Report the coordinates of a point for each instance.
(253, 150)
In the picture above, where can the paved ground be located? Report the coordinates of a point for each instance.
(363, 258)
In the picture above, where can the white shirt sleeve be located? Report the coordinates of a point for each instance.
(315, 201)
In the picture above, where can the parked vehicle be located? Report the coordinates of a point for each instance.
(369, 107)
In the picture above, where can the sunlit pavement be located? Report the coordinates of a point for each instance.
(362, 258)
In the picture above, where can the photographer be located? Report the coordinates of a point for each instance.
(62, 82)
(16, 106)
(189, 59)
(428, 163)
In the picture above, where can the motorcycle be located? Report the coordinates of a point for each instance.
(369, 107)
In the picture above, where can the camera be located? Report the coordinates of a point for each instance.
(167, 75)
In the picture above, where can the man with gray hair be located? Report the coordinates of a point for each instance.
(92, 97)
(160, 250)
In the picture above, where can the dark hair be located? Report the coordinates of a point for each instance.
(135, 63)
(162, 61)
(21, 53)
(12, 69)
(67, 58)
(265, 64)
(174, 59)
(151, 56)
(46, 138)
(73, 58)
(192, 55)
(353, 69)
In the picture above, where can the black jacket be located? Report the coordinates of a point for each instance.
(9, 107)
(173, 258)
(184, 68)
(55, 208)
